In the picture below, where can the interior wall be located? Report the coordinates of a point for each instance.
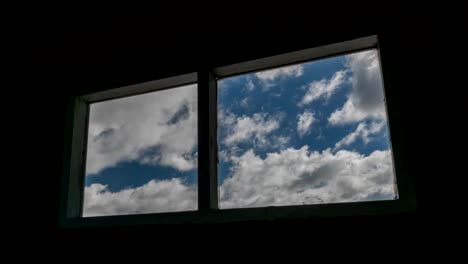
(70, 58)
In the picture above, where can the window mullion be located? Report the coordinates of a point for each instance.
(207, 141)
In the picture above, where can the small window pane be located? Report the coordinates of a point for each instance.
(142, 154)
(308, 133)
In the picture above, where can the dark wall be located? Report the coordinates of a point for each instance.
(70, 57)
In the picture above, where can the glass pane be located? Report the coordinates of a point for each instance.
(142, 154)
(308, 133)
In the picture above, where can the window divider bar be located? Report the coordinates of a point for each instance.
(213, 125)
(207, 141)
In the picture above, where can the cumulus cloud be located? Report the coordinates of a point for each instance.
(300, 176)
(269, 76)
(304, 122)
(366, 98)
(292, 176)
(350, 113)
(363, 131)
(253, 128)
(323, 88)
(124, 129)
(154, 197)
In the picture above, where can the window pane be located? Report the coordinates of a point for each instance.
(142, 154)
(308, 133)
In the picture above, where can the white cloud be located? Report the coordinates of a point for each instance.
(124, 130)
(298, 176)
(268, 76)
(349, 113)
(244, 103)
(367, 98)
(255, 128)
(225, 154)
(363, 131)
(323, 88)
(280, 141)
(154, 197)
(292, 176)
(304, 122)
(250, 86)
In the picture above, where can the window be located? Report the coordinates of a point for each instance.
(299, 134)
(307, 133)
(142, 154)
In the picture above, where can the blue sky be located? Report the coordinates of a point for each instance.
(302, 134)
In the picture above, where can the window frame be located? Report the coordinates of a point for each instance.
(72, 188)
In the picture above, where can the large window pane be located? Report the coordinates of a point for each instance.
(142, 154)
(308, 133)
